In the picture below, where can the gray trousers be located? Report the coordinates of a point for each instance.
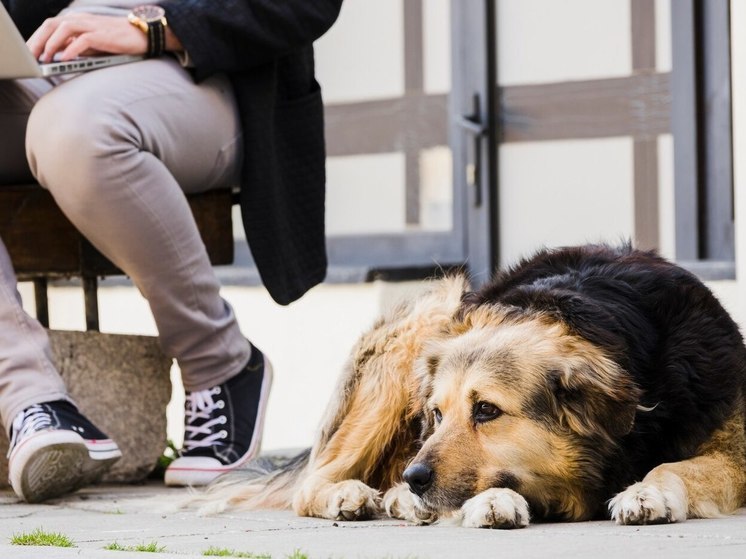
(118, 148)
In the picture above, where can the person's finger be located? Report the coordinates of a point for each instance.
(55, 34)
(38, 39)
(66, 30)
(104, 35)
(82, 44)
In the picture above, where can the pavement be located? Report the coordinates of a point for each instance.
(132, 515)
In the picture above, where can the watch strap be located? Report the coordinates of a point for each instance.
(156, 38)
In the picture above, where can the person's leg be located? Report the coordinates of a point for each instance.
(17, 97)
(27, 375)
(47, 457)
(127, 142)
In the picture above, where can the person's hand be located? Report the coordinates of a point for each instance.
(77, 34)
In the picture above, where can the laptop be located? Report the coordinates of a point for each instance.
(16, 60)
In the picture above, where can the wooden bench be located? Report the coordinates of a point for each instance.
(44, 245)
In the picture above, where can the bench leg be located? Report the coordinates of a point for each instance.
(90, 295)
(42, 301)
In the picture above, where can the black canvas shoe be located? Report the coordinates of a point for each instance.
(223, 425)
(55, 450)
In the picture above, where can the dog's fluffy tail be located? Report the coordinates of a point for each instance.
(266, 483)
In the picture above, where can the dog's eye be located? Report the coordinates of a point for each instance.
(437, 415)
(484, 411)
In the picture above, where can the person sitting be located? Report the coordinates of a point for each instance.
(226, 95)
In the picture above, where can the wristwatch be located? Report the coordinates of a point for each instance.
(151, 20)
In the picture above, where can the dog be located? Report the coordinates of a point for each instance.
(585, 382)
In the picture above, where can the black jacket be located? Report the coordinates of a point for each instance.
(265, 47)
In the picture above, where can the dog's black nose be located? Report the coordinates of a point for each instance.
(419, 476)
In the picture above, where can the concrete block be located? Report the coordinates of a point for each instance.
(121, 383)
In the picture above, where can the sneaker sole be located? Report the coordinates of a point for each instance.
(54, 463)
(181, 473)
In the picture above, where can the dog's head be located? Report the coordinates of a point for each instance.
(517, 401)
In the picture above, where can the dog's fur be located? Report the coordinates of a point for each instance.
(584, 382)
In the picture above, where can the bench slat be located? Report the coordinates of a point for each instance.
(43, 243)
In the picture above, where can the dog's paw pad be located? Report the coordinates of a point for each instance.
(648, 503)
(495, 508)
(353, 500)
(400, 502)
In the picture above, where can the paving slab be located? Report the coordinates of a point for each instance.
(133, 515)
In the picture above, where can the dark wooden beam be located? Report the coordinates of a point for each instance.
(647, 235)
(637, 106)
(408, 123)
(642, 18)
(645, 159)
(414, 83)
(414, 55)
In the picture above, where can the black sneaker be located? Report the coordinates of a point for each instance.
(223, 425)
(55, 450)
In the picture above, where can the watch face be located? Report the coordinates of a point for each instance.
(149, 13)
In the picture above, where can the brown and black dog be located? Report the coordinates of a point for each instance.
(585, 382)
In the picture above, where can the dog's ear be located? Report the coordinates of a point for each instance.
(469, 301)
(594, 401)
(593, 392)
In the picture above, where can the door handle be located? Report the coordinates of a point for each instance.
(472, 124)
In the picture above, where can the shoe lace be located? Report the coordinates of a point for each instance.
(32, 419)
(199, 408)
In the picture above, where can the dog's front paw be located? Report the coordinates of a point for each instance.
(495, 508)
(651, 502)
(352, 500)
(400, 502)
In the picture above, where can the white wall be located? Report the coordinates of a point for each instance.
(733, 292)
(362, 59)
(555, 193)
(543, 41)
(563, 193)
(574, 191)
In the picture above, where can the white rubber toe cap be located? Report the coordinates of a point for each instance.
(194, 471)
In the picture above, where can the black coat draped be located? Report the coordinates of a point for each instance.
(265, 47)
